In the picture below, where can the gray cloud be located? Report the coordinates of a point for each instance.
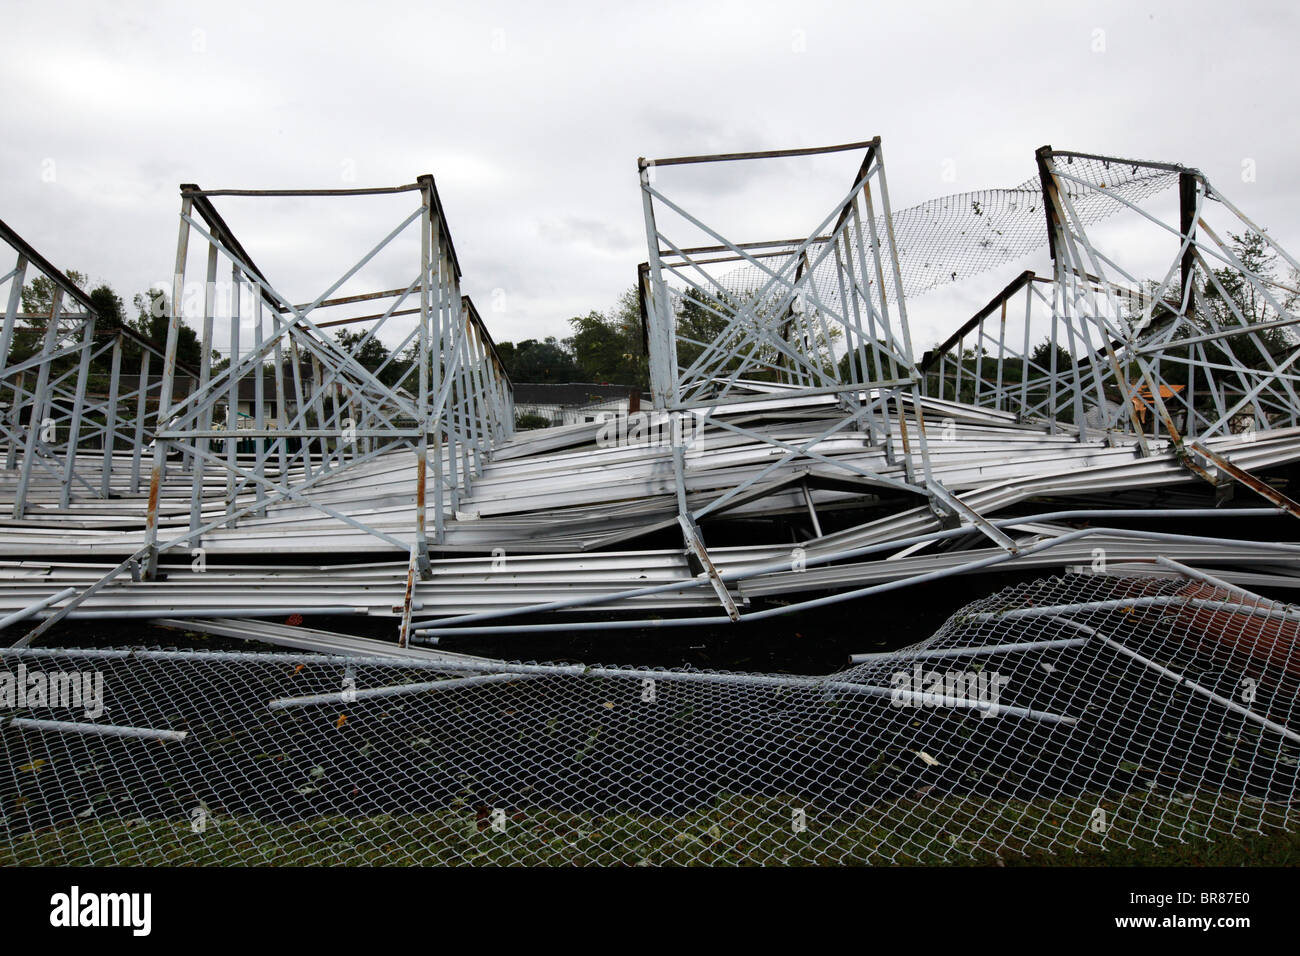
(532, 116)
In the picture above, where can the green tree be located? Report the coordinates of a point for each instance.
(1042, 357)
(37, 301)
(1231, 293)
(850, 364)
(1228, 296)
(372, 355)
(720, 321)
(152, 322)
(701, 321)
(108, 306)
(38, 295)
(608, 346)
(544, 361)
(595, 346)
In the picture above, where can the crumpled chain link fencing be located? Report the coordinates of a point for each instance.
(1072, 712)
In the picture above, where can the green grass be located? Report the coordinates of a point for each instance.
(1142, 830)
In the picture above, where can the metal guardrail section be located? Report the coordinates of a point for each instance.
(68, 433)
(448, 406)
(445, 401)
(1174, 356)
(1118, 353)
(787, 397)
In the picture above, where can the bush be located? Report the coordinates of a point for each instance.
(524, 422)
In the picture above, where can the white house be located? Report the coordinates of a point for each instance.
(574, 402)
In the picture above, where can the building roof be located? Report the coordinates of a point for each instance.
(570, 393)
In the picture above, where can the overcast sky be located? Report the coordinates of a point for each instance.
(531, 117)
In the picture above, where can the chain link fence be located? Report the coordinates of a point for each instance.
(955, 237)
(1073, 712)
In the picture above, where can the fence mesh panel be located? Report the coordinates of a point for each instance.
(1071, 712)
(954, 237)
